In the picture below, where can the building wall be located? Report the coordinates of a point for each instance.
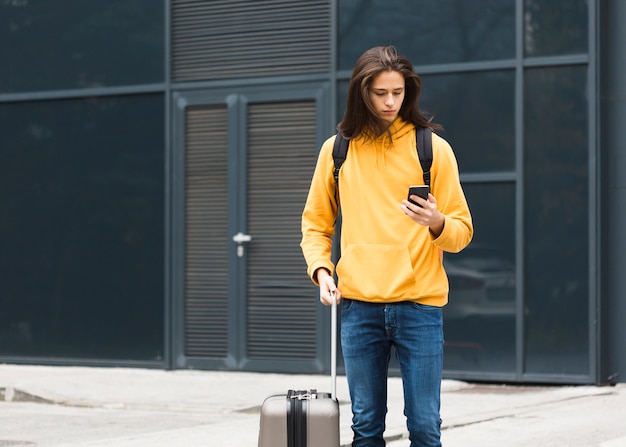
(82, 108)
(128, 169)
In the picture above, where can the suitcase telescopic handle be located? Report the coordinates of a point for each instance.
(333, 346)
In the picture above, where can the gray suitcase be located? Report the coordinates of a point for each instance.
(304, 418)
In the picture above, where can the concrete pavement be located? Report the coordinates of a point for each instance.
(128, 407)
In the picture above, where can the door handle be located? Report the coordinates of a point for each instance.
(240, 238)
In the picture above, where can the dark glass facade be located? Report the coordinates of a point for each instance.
(82, 232)
(89, 250)
(477, 110)
(480, 317)
(446, 31)
(82, 181)
(556, 196)
(71, 44)
(553, 27)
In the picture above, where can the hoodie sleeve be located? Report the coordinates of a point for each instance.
(319, 215)
(458, 229)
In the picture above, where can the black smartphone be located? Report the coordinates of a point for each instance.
(420, 191)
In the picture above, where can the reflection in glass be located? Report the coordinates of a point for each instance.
(478, 114)
(556, 210)
(82, 232)
(428, 32)
(479, 318)
(555, 27)
(63, 44)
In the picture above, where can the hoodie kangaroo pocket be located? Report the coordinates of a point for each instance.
(376, 272)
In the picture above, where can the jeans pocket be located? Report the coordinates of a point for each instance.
(427, 307)
(346, 305)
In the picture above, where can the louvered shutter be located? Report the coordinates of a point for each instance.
(233, 39)
(206, 232)
(281, 298)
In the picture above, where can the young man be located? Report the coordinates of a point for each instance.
(391, 281)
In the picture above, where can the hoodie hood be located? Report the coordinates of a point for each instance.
(398, 130)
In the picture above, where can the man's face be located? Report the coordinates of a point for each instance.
(387, 94)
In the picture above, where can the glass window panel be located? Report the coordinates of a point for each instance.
(556, 215)
(480, 314)
(82, 228)
(477, 112)
(553, 27)
(66, 44)
(429, 32)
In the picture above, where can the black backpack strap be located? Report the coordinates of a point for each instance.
(424, 142)
(340, 150)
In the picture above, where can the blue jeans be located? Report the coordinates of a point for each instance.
(368, 331)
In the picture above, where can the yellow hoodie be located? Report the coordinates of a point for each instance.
(385, 256)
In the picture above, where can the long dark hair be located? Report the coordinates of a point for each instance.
(361, 117)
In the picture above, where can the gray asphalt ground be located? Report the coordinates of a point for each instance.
(128, 407)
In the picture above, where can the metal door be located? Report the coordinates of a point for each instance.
(241, 296)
